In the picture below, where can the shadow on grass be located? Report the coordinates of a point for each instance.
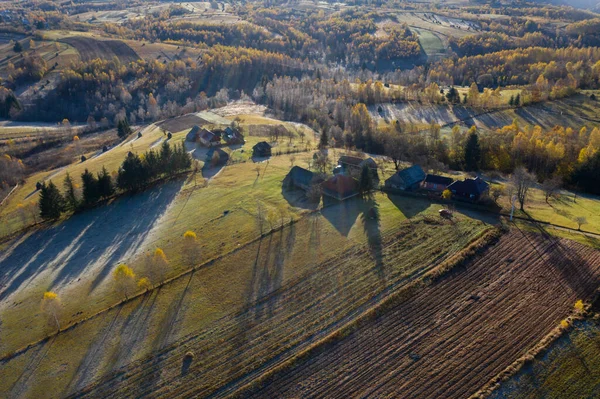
(371, 224)
(409, 206)
(342, 214)
(91, 242)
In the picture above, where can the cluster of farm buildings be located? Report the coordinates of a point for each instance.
(344, 184)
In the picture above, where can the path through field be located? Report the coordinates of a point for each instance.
(451, 338)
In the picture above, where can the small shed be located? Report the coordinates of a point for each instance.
(261, 150)
(436, 183)
(406, 179)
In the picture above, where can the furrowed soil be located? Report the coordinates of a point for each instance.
(90, 49)
(240, 315)
(455, 335)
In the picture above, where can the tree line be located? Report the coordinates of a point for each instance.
(134, 174)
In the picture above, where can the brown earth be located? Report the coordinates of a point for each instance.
(181, 123)
(90, 49)
(453, 336)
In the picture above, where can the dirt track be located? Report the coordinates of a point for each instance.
(452, 337)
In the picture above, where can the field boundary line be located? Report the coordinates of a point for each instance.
(541, 347)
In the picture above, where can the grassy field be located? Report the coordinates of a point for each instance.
(568, 369)
(314, 273)
(430, 42)
(561, 210)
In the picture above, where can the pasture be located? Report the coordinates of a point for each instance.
(318, 273)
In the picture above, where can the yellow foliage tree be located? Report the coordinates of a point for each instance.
(51, 306)
(191, 251)
(447, 194)
(144, 283)
(579, 306)
(125, 279)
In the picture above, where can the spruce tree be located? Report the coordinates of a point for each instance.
(365, 181)
(91, 193)
(123, 128)
(323, 140)
(132, 174)
(472, 152)
(71, 201)
(105, 185)
(517, 100)
(52, 204)
(165, 158)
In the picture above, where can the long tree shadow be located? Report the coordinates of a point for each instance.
(89, 242)
(371, 224)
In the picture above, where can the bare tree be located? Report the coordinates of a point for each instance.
(521, 181)
(551, 186)
(260, 217)
(580, 220)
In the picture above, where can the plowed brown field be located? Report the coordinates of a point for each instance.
(453, 336)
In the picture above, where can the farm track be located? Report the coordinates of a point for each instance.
(279, 322)
(453, 336)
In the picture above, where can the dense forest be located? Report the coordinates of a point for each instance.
(325, 66)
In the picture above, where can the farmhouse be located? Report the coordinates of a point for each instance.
(469, 189)
(436, 183)
(340, 187)
(208, 138)
(352, 165)
(262, 149)
(406, 179)
(301, 178)
(193, 135)
(232, 136)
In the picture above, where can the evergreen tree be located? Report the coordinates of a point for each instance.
(517, 100)
(105, 185)
(511, 102)
(18, 47)
(132, 174)
(52, 204)
(91, 193)
(323, 141)
(123, 128)
(365, 180)
(152, 163)
(165, 158)
(71, 201)
(453, 96)
(472, 152)
(587, 175)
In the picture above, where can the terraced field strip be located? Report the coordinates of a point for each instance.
(277, 323)
(453, 336)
